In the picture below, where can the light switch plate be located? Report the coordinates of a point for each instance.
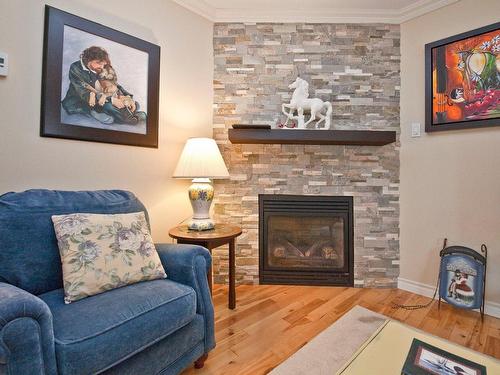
(415, 129)
(4, 64)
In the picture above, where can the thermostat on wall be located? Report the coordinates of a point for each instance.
(4, 64)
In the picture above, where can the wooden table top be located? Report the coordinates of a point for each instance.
(220, 232)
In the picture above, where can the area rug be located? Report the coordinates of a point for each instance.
(348, 333)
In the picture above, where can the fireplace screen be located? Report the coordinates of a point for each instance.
(305, 240)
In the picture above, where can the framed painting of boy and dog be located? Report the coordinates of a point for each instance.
(98, 84)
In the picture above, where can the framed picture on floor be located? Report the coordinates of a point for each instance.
(425, 359)
(98, 84)
(462, 80)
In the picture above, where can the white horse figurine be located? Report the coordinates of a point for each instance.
(300, 102)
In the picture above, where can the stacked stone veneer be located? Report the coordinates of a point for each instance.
(357, 68)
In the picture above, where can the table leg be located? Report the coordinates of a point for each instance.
(232, 285)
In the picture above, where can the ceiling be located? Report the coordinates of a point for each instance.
(359, 11)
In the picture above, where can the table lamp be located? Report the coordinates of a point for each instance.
(201, 160)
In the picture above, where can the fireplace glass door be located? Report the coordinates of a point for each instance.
(305, 242)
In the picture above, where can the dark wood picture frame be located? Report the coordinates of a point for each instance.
(50, 122)
(412, 365)
(430, 126)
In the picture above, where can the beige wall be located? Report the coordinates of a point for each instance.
(450, 181)
(29, 161)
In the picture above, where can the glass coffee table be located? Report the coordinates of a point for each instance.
(386, 350)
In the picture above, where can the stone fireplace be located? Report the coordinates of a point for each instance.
(357, 68)
(305, 240)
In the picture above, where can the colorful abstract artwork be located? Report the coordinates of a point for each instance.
(463, 80)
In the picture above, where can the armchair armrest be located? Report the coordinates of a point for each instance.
(26, 333)
(188, 264)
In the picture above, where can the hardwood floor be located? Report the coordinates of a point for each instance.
(271, 322)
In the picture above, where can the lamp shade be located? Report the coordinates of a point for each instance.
(201, 158)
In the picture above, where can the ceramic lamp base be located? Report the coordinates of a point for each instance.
(201, 224)
(201, 194)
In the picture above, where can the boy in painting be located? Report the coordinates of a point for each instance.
(86, 95)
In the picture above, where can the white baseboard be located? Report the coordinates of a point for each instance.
(490, 308)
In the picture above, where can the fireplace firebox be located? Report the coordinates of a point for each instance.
(306, 240)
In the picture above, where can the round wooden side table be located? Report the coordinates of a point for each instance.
(222, 234)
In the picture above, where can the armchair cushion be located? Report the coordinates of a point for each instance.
(98, 332)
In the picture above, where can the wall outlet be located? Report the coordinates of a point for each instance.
(415, 129)
(4, 64)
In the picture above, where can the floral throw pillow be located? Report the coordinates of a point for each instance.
(103, 252)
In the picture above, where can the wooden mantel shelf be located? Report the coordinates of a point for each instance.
(312, 137)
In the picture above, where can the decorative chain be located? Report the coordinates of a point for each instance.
(417, 306)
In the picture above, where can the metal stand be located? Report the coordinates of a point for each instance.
(484, 250)
(439, 273)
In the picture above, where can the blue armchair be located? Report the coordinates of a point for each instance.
(152, 327)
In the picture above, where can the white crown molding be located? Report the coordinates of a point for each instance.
(307, 16)
(199, 7)
(422, 7)
(490, 308)
(330, 15)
